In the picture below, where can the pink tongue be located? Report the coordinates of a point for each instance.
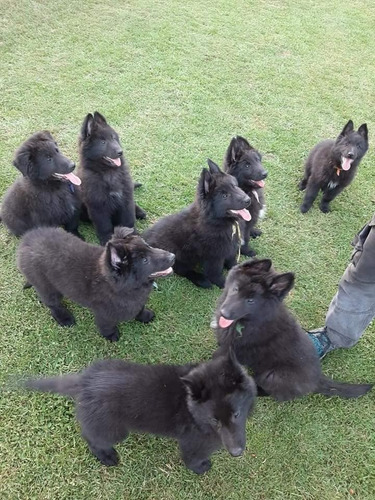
(116, 161)
(164, 273)
(245, 214)
(224, 323)
(260, 183)
(346, 163)
(73, 179)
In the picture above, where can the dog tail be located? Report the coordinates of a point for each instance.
(68, 385)
(330, 387)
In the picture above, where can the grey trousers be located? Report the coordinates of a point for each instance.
(353, 306)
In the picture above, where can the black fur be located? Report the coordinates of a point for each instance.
(328, 166)
(40, 197)
(205, 233)
(114, 282)
(107, 188)
(245, 164)
(204, 407)
(266, 337)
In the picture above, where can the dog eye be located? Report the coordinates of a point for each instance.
(103, 142)
(247, 165)
(224, 195)
(145, 260)
(250, 301)
(56, 150)
(235, 289)
(236, 415)
(49, 158)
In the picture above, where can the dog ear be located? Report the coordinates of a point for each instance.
(205, 182)
(214, 168)
(237, 147)
(121, 232)
(87, 126)
(23, 162)
(363, 131)
(282, 284)
(347, 129)
(116, 256)
(195, 385)
(99, 118)
(257, 266)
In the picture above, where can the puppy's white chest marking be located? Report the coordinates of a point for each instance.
(332, 185)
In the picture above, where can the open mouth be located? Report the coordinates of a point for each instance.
(113, 161)
(346, 163)
(224, 322)
(260, 183)
(69, 177)
(159, 274)
(244, 213)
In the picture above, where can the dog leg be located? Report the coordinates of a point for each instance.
(311, 193)
(72, 225)
(102, 223)
(104, 452)
(125, 216)
(107, 329)
(214, 272)
(139, 212)
(197, 278)
(50, 297)
(145, 315)
(328, 196)
(195, 454)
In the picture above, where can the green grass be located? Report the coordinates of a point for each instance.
(178, 80)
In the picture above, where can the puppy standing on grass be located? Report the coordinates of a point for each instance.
(46, 194)
(206, 233)
(204, 407)
(245, 164)
(332, 165)
(115, 281)
(252, 320)
(107, 188)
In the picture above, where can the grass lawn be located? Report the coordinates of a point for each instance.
(178, 80)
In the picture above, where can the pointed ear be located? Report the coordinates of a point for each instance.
(214, 168)
(363, 131)
(257, 266)
(282, 284)
(121, 232)
(99, 118)
(116, 256)
(347, 129)
(24, 163)
(205, 183)
(87, 126)
(195, 386)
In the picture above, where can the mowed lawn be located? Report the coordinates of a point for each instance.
(178, 80)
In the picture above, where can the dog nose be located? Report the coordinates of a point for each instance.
(72, 165)
(350, 154)
(172, 258)
(247, 201)
(264, 175)
(236, 452)
(120, 153)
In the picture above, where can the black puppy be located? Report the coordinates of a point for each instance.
(206, 233)
(107, 188)
(253, 320)
(332, 165)
(114, 282)
(204, 407)
(245, 164)
(46, 194)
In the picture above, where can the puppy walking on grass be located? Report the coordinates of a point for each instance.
(204, 407)
(114, 282)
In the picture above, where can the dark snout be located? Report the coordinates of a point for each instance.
(72, 166)
(350, 155)
(247, 201)
(264, 175)
(172, 259)
(236, 452)
(227, 313)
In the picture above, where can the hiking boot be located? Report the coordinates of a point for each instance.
(320, 340)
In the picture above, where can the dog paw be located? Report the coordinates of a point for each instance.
(245, 250)
(202, 467)
(112, 336)
(145, 316)
(219, 282)
(64, 318)
(324, 208)
(304, 208)
(108, 457)
(140, 213)
(255, 233)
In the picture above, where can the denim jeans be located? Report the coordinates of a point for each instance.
(353, 306)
